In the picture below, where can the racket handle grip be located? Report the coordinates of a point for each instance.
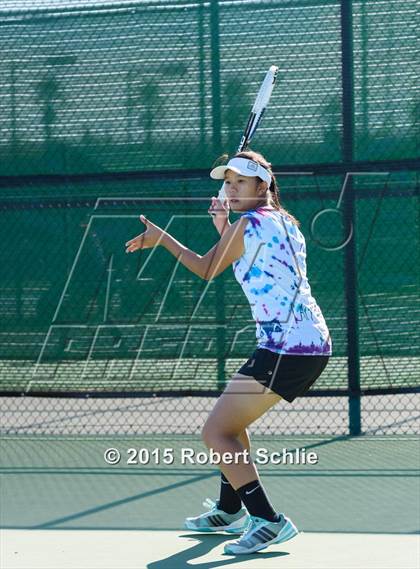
(220, 196)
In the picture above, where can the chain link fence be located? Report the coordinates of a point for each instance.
(115, 108)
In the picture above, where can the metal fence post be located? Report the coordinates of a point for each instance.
(217, 147)
(350, 251)
(202, 76)
(215, 77)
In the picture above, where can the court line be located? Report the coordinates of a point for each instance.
(327, 473)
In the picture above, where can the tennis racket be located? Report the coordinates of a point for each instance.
(256, 115)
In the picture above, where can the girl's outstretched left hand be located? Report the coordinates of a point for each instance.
(149, 238)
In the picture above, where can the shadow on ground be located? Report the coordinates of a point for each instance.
(205, 543)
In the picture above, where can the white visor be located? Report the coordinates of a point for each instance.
(243, 166)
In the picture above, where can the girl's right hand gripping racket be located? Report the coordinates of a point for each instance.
(256, 115)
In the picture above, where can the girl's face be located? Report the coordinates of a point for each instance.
(244, 192)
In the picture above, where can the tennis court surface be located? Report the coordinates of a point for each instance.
(64, 506)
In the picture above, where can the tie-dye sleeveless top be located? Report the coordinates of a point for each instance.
(272, 274)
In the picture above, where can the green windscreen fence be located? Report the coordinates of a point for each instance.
(128, 86)
(111, 109)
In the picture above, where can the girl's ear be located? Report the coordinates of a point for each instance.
(262, 187)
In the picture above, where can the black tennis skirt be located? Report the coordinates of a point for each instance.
(287, 375)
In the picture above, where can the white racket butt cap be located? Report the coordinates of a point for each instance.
(222, 194)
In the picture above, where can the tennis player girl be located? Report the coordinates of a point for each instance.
(268, 255)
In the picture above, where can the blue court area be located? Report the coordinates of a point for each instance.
(64, 506)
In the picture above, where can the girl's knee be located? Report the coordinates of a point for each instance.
(209, 433)
(213, 432)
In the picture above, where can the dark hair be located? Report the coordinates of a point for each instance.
(274, 189)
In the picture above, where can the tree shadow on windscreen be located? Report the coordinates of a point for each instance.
(205, 543)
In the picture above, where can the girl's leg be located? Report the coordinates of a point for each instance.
(244, 439)
(230, 500)
(243, 401)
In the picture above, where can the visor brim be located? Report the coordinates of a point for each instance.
(218, 173)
